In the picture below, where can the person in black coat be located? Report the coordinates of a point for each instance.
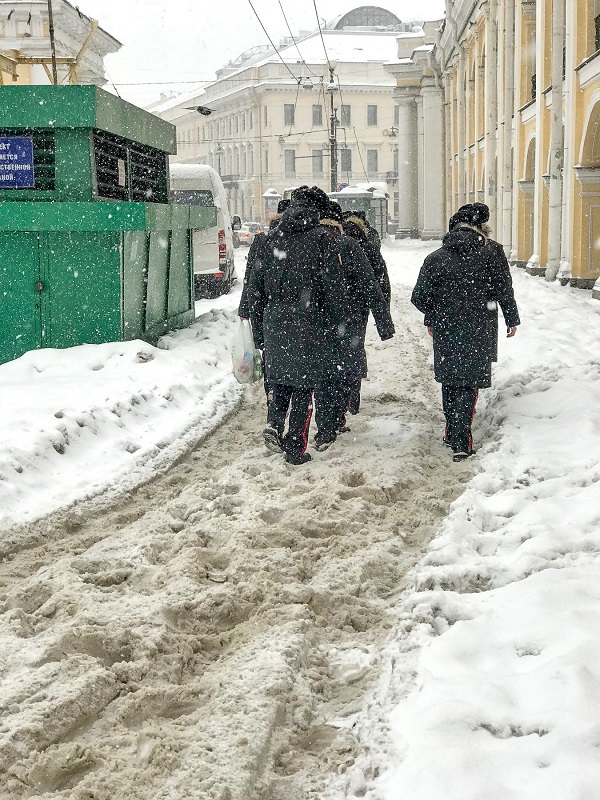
(364, 295)
(356, 225)
(297, 299)
(458, 290)
(255, 253)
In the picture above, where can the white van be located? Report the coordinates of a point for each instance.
(214, 269)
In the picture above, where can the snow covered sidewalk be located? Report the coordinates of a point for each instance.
(379, 623)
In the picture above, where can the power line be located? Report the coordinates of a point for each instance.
(271, 42)
(321, 33)
(210, 142)
(294, 41)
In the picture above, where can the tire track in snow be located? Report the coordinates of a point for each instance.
(214, 634)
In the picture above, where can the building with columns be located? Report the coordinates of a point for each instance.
(270, 114)
(521, 83)
(420, 135)
(25, 53)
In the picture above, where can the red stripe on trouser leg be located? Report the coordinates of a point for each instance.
(306, 429)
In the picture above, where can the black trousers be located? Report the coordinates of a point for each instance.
(298, 402)
(330, 412)
(458, 403)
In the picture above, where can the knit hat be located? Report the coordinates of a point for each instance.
(312, 197)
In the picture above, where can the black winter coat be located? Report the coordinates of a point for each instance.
(257, 250)
(458, 290)
(368, 238)
(364, 295)
(297, 301)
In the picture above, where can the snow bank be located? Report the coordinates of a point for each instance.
(506, 696)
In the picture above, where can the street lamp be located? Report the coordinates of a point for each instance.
(219, 152)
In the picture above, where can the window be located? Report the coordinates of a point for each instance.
(243, 164)
(251, 161)
(372, 163)
(236, 124)
(346, 161)
(396, 162)
(396, 114)
(317, 117)
(317, 160)
(229, 126)
(267, 161)
(243, 122)
(371, 115)
(290, 163)
(345, 116)
(289, 113)
(265, 116)
(251, 121)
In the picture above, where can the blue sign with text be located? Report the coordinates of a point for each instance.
(16, 162)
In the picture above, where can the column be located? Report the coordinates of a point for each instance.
(434, 223)
(421, 162)
(408, 166)
(491, 110)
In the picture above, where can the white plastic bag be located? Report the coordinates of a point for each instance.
(245, 359)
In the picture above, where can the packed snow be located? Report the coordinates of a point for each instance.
(183, 615)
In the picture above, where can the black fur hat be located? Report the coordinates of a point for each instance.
(475, 214)
(312, 197)
(335, 211)
(282, 205)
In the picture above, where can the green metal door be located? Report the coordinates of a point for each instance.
(82, 297)
(20, 317)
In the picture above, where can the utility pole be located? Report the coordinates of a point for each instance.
(52, 43)
(332, 88)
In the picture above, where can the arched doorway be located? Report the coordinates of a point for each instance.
(586, 223)
(525, 208)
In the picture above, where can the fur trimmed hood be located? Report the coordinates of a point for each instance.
(358, 222)
(332, 223)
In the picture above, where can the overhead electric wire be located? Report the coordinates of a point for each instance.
(322, 39)
(295, 42)
(285, 64)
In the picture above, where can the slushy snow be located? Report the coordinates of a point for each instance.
(183, 615)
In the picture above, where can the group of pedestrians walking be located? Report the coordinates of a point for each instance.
(309, 288)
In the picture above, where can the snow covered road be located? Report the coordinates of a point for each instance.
(211, 634)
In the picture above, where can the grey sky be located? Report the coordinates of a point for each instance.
(187, 40)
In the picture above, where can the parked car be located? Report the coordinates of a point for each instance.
(214, 268)
(248, 231)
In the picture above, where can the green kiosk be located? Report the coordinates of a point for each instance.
(91, 250)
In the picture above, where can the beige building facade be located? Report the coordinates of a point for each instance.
(522, 101)
(519, 84)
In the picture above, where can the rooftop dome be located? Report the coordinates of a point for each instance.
(368, 17)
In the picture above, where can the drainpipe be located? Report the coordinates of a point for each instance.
(509, 83)
(556, 142)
